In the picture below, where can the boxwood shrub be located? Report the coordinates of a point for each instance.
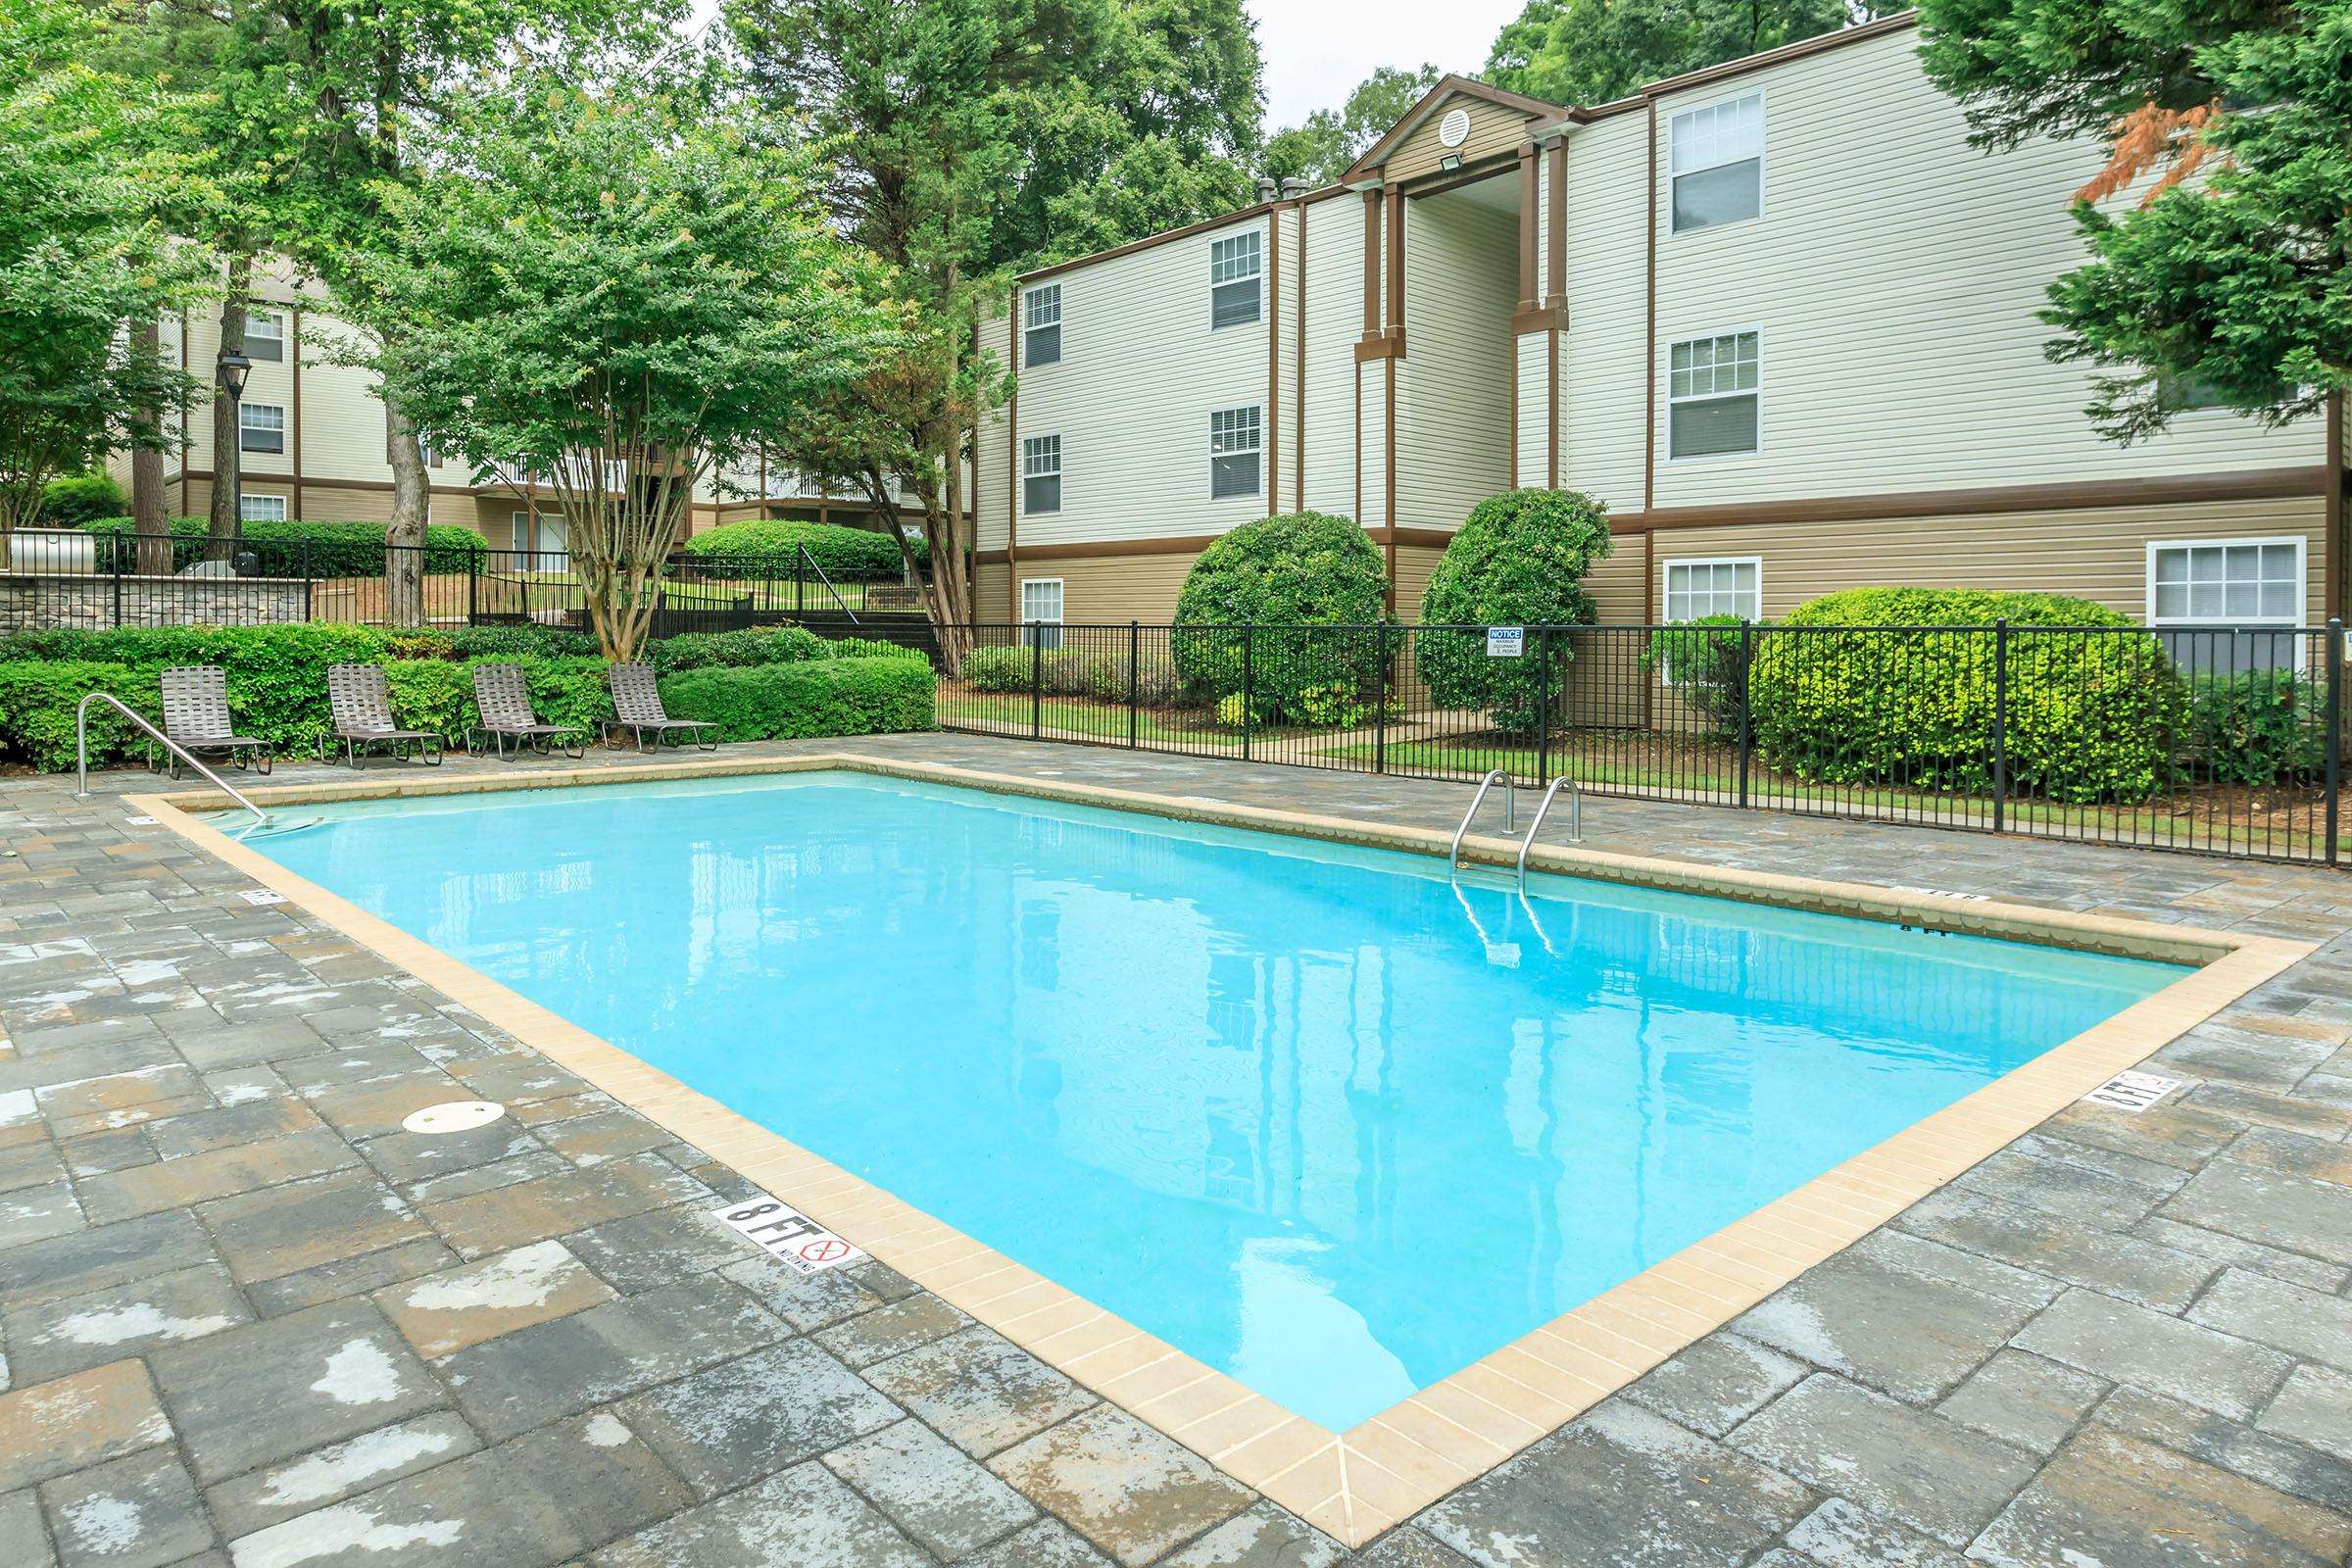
(1280, 576)
(74, 499)
(329, 549)
(1518, 559)
(1900, 700)
(811, 696)
(861, 553)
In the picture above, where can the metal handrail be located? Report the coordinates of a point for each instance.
(1576, 822)
(811, 562)
(1510, 811)
(82, 752)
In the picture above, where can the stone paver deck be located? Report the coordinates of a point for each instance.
(247, 1318)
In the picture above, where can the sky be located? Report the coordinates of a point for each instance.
(1317, 50)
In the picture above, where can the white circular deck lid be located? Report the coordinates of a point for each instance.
(454, 1116)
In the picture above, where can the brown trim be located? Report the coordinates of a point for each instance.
(1555, 205)
(2247, 484)
(1273, 291)
(1222, 220)
(1372, 199)
(1439, 181)
(1381, 348)
(1650, 330)
(1357, 375)
(1528, 199)
(1192, 544)
(1013, 468)
(1551, 422)
(294, 414)
(1298, 376)
(2335, 547)
(1392, 330)
(1392, 244)
(1415, 538)
(1542, 318)
(1389, 459)
(1819, 44)
(1369, 162)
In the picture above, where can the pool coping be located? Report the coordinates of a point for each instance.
(1357, 1483)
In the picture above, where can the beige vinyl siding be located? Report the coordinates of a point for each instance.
(1453, 410)
(994, 459)
(1282, 413)
(1141, 371)
(1494, 130)
(2098, 554)
(1533, 354)
(1111, 590)
(1414, 563)
(1894, 276)
(1372, 440)
(1335, 320)
(1602, 357)
(992, 595)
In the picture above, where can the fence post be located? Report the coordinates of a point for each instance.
(1135, 639)
(799, 583)
(473, 587)
(2335, 731)
(1037, 680)
(2000, 724)
(1542, 707)
(1249, 684)
(1380, 708)
(1747, 659)
(117, 565)
(305, 577)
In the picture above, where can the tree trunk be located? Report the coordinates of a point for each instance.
(404, 536)
(147, 476)
(221, 530)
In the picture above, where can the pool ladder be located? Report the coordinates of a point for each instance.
(1575, 817)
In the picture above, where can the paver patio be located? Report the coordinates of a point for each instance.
(247, 1318)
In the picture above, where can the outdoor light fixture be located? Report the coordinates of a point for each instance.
(232, 368)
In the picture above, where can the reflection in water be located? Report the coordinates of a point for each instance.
(1315, 1116)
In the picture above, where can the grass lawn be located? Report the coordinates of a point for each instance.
(1075, 716)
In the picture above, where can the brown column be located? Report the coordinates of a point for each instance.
(1527, 227)
(2335, 551)
(1372, 264)
(1394, 327)
(1556, 207)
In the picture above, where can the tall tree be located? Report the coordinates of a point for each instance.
(1593, 51)
(91, 163)
(1320, 149)
(604, 302)
(973, 138)
(2232, 287)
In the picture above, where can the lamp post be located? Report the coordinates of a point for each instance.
(231, 368)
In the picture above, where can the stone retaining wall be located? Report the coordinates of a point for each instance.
(41, 601)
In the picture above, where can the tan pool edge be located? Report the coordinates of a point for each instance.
(1353, 1485)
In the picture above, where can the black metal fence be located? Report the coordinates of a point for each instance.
(2226, 740)
(66, 578)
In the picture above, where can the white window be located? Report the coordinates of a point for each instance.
(1698, 589)
(1716, 159)
(260, 428)
(1234, 267)
(1041, 326)
(1714, 395)
(264, 334)
(1041, 475)
(2227, 582)
(1233, 449)
(1041, 611)
(260, 509)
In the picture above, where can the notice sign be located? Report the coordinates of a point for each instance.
(1505, 642)
(788, 1235)
(2133, 1091)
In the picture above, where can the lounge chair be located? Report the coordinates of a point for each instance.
(196, 717)
(363, 710)
(504, 699)
(637, 707)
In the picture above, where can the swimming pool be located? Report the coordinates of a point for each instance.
(1313, 1114)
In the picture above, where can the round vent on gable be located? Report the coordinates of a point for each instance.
(1454, 128)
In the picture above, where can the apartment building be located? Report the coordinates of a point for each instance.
(1776, 314)
(314, 444)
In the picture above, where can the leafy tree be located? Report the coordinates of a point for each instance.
(973, 138)
(1518, 559)
(1593, 51)
(603, 299)
(1320, 150)
(2235, 286)
(89, 167)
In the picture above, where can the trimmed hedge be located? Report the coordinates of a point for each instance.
(861, 553)
(779, 644)
(1518, 559)
(816, 697)
(1300, 570)
(331, 549)
(2086, 715)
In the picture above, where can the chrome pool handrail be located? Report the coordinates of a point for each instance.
(1510, 811)
(1576, 822)
(82, 752)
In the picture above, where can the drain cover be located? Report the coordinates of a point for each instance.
(454, 1117)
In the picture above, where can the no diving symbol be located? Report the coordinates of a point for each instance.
(825, 1249)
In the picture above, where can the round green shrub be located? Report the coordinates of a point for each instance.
(1896, 693)
(1290, 602)
(1518, 559)
(80, 498)
(773, 545)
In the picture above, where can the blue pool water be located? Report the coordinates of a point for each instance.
(1311, 1113)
